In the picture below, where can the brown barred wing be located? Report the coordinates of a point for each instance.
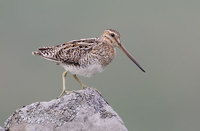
(73, 55)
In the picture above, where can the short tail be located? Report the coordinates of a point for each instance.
(48, 53)
(36, 53)
(45, 51)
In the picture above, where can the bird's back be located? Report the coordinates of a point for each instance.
(68, 53)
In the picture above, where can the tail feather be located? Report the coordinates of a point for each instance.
(36, 53)
(45, 51)
(48, 53)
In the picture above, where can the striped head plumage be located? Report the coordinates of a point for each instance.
(111, 36)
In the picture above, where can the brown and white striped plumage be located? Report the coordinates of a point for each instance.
(86, 56)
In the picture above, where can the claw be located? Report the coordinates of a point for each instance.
(84, 86)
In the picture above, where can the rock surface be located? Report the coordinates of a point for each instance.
(1, 129)
(83, 110)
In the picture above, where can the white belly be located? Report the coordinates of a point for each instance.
(86, 71)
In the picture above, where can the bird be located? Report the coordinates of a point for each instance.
(85, 57)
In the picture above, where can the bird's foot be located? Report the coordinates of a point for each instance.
(98, 91)
(69, 92)
(84, 86)
(66, 92)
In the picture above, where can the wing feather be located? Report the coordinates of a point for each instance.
(68, 53)
(77, 50)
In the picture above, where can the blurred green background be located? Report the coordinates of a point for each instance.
(162, 35)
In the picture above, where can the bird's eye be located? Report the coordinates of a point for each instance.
(113, 35)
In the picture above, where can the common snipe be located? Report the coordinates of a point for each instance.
(85, 56)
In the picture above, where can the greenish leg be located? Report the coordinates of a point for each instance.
(83, 85)
(64, 88)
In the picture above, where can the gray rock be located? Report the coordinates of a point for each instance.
(1, 129)
(83, 110)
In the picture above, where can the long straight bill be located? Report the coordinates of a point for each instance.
(130, 56)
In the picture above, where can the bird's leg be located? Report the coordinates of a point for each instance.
(83, 85)
(64, 88)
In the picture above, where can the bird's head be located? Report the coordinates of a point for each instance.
(112, 37)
